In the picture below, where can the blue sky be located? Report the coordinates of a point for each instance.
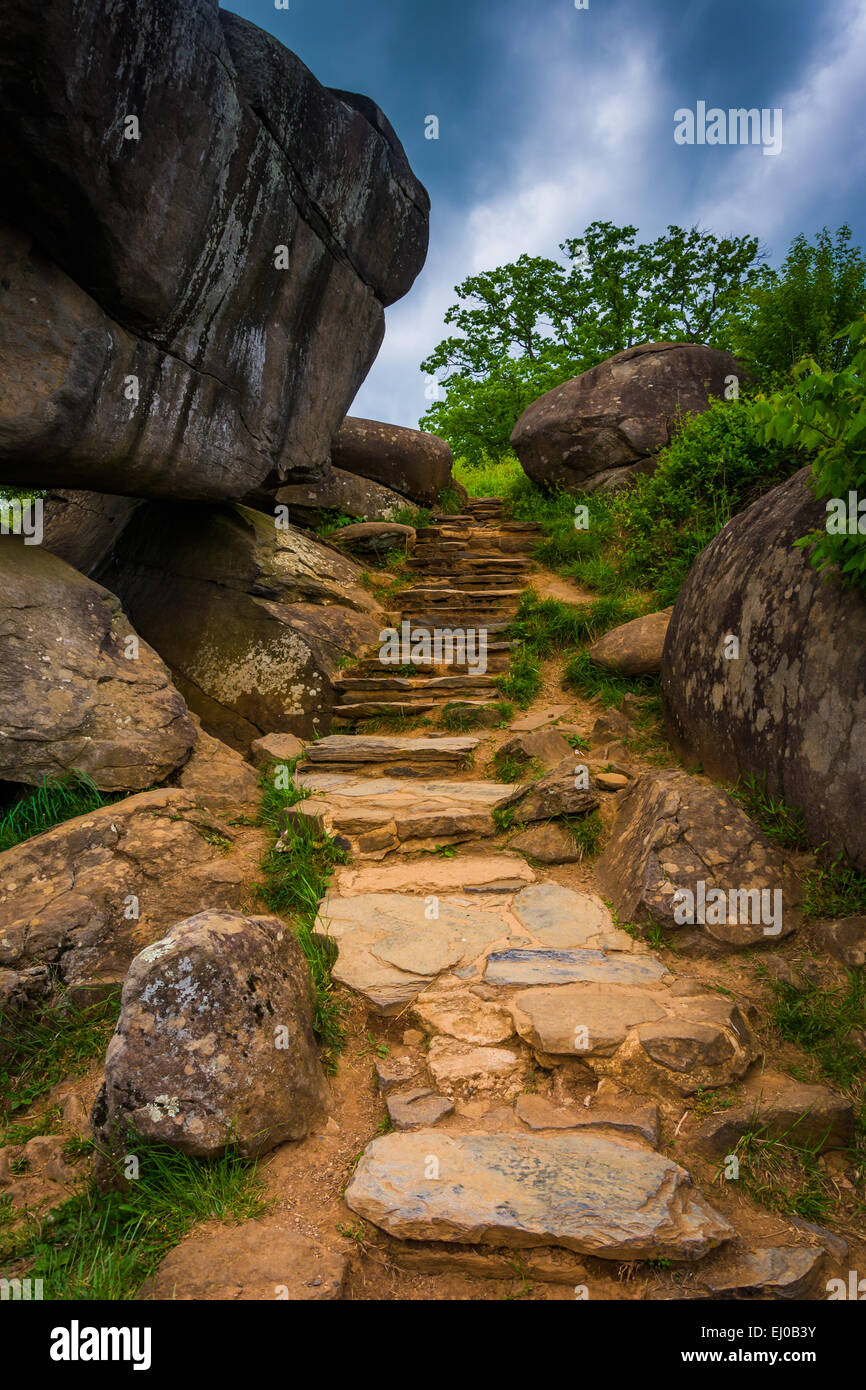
(552, 117)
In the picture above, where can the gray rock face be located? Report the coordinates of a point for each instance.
(251, 619)
(416, 464)
(585, 1192)
(158, 254)
(335, 491)
(215, 1044)
(82, 527)
(78, 689)
(603, 425)
(793, 706)
(87, 895)
(674, 833)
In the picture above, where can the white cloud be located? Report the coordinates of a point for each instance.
(582, 154)
(822, 157)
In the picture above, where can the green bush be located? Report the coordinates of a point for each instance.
(824, 414)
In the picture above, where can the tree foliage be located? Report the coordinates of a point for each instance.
(524, 328)
(824, 414)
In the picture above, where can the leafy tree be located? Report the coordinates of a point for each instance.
(524, 328)
(824, 413)
(801, 310)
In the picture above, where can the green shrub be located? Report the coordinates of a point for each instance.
(717, 463)
(824, 414)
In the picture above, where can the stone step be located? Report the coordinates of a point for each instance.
(491, 620)
(423, 685)
(353, 711)
(455, 749)
(433, 593)
(378, 815)
(589, 1193)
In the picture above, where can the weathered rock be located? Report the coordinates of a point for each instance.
(548, 842)
(78, 689)
(394, 1071)
(548, 746)
(773, 1272)
(262, 1260)
(470, 1072)
(674, 833)
(580, 1020)
(417, 1108)
(214, 1045)
(21, 992)
(218, 777)
(376, 537)
(336, 491)
(463, 1016)
(553, 795)
(846, 940)
(249, 317)
(585, 1192)
(705, 1042)
(611, 781)
(413, 463)
(523, 967)
(86, 896)
(561, 917)
(600, 427)
(635, 648)
(540, 1113)
(82, 527)
(792, 706)
(776, 1107)
(251, 619)
(275, 748)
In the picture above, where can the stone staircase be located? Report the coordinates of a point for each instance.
(546, 1051)
(470, 571)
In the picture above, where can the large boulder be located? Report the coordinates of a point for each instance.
(83, 898)
(251, 618)
(792, 706)
(204, 241)
(214, 1045)
(78, 689)
(336, 491)
(682, 855)
(408, 461)
(599, 428)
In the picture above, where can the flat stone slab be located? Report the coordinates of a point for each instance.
(523, 967)
(588, 1193)
(467, 873)
(561, 917)
(365, 748)
(540, 1113)
(580, 1020)
(417, 1108)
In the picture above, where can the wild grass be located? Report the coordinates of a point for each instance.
(821, 1021)
(294, 880)
(50, 804)
(44, 1047)
(101, 1245)
(835, 889)
(587, 832)
(781, 823)
(461, 718)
